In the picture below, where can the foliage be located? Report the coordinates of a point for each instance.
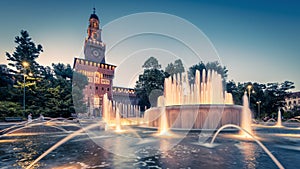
(275, 95)
(26, 51)
(151, 63)
(62, 70)
(50, 92)
(10, 109)
(192, 71)
(79, 82)
(208, 66)
(57, 90)
(269, 97)
(173, 69)
(150, 84)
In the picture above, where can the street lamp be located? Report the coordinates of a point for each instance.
(249, 88)
(25, 65)
(258, 107)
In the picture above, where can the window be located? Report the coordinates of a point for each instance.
(97, 80)
(96, 101)
(96, 87)
(102, 88)
(107, 89)
(90, 87)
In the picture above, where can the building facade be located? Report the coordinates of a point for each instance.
(99, 73)
(292, 100)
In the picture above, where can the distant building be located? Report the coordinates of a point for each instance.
(124, 95)
(99, 73)
(292, 100)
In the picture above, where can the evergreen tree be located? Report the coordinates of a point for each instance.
(192, 71)
(150, 84)
(24, 65)
(208, 66)
(79, 82)
(173, 69)
(26, 51)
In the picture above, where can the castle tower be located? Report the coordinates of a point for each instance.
(94, 48)
(100, 74)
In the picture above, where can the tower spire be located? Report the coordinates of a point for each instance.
(94, 10)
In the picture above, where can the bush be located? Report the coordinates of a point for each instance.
(10, 109)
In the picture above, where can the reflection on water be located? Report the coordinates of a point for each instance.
(146, 151)
(249, 151)
(26, 154)
(20, 151)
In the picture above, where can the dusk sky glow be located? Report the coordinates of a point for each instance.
(256, 40)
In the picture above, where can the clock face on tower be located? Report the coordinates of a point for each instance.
(96, 52)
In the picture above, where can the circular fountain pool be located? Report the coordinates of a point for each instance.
(202, 116)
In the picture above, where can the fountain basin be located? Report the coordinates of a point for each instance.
(195, 116)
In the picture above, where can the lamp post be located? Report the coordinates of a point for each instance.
(25, 65)
(258, 107)
(249, 87)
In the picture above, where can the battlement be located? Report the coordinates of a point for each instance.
(85, 62)
(95, 42)
(123, 90)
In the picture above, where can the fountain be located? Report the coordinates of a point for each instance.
(293, 119)
(163, 127)
(246, 119)
(250, 135)
(279, 122)
(192, 112)
(118, 114)
(201, 105)
(118, 121)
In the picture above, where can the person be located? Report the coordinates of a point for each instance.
(42, 117)
(29, 117)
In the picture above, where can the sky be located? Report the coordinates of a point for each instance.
(257, 40)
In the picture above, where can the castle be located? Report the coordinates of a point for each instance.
(99, 73)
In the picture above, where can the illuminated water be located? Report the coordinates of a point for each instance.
(201, 105)
(279, 121)
(246, 119)
(24, 146)
(207, 89)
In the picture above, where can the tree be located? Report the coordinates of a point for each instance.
(208, 66)
(51, 90)
(58, 93)
(6, 83)
(151, 63)
(23, 63)
(173, 69)
(275, 95)
(79, 82)
(192, 71)
(270, 96)
(64, 71)
(10, 109)
(237, 91)
(150, 84)
(26, 51)
(218, 68)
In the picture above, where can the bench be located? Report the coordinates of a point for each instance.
(12, 119)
